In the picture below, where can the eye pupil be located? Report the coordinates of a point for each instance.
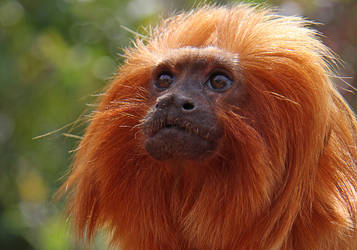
(219, 82)
(164, 81)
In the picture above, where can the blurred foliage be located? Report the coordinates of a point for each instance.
(54, 56)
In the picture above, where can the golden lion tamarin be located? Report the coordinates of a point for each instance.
(222, 130)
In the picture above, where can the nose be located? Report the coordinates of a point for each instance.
(178, 101)
(187, 106)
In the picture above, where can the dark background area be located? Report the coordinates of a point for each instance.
(55, 56)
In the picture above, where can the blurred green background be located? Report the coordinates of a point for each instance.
(55, 56)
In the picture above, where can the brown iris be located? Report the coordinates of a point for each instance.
(164, 81)
(219, 82)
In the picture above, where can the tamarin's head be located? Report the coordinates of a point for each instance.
(212, 78)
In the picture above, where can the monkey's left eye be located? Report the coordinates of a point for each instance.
(164, 81)
(219, 82)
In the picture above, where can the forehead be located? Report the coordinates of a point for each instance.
(198, 58)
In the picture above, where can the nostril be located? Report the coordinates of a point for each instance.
(188, 106)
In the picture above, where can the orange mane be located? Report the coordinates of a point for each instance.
(285, 176)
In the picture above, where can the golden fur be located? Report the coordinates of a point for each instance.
(284, 176)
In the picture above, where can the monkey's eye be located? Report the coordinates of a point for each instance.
(164, 80)
(219, 82)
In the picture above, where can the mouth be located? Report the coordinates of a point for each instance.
(174, 126)
(161, 125)
(169, 135)
(176, 139)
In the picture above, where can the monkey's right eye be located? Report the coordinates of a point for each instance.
(219, 82)
(164, 80)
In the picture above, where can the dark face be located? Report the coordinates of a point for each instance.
(182, 124)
